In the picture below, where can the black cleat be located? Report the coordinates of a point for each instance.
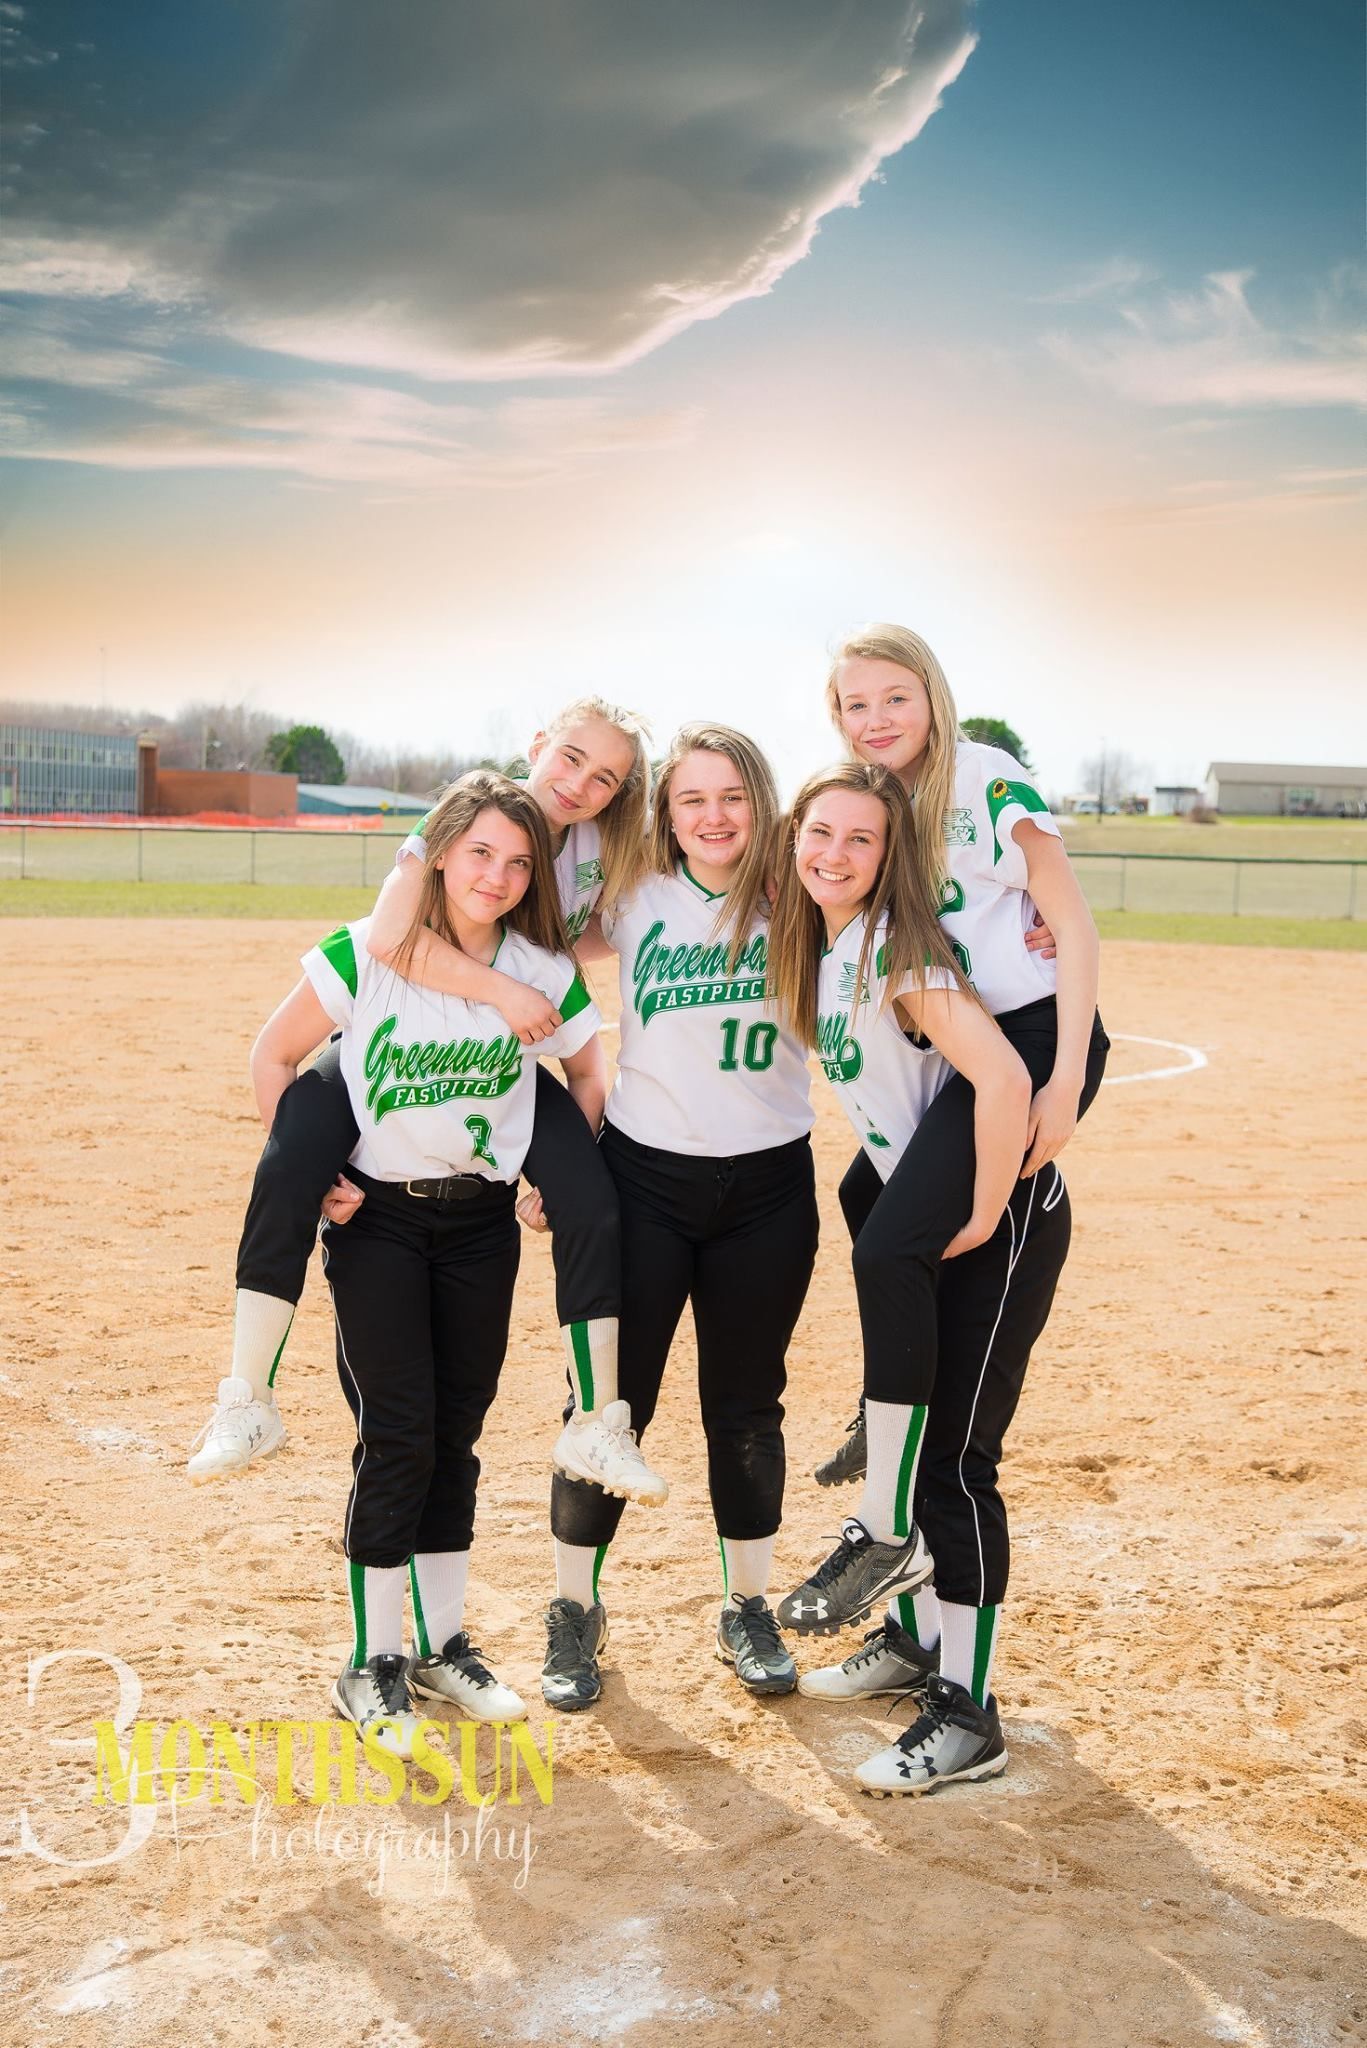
(748, 1638)
(858, 1576)
(952, 1737)
(570, 1678)
(850, 1460)
(888, 1661)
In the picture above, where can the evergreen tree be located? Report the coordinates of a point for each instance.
(308, 752)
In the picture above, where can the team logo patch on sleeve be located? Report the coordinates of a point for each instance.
(1002, 796)
(587, 873)
(960, 829)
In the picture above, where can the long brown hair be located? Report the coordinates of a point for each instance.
(935, 783)
(621, 822)
(914, 939)
(746, 898)
(538, 916)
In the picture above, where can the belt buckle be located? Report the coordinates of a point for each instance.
(416, 1189)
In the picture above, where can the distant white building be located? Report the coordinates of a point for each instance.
(1264, 789)
(1174, 800)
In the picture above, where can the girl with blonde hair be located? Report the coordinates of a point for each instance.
(990, 856)
(589, 777)
(863, 971)
(706, 1137)
(443, 1098)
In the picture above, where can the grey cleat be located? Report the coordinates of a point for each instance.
(850, 1460)
(575, 1638)
(952, 1737)
(748, 1638)
(858, 1576)
(375, 1695)
(890, 1661)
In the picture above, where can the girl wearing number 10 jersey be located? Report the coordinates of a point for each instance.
(706, 1138)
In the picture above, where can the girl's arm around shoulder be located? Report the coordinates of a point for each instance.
(961, 1029)
(1055, 888)
(593, 944)
(286, 1038)
(438, 965)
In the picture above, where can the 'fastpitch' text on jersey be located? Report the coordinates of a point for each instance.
(703, 1066)
(885, 1083)
(578, 871)
(439, 1085)
(987, 909)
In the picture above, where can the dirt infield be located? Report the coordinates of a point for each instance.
(1170, 1857)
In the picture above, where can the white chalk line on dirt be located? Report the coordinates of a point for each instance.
(1195, 1058)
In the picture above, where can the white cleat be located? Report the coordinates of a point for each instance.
(241, 1428)
(603, 1450)
(457, 1678)
(952, 1738)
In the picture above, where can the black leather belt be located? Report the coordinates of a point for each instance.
(456, 1187)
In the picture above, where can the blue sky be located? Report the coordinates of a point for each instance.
(428, 374)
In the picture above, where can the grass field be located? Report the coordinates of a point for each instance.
(1234, 838)
(327, 907)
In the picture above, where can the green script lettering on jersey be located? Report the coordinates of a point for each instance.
(435, 1073)
(686, 977)
(839, 1054)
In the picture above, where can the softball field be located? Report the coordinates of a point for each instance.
(1174, 1855)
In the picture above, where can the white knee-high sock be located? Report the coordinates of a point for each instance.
(376, 1610)
(968, 1645)
(919, 1614)
(591, 1349)
(895, 1430)
(745, 1566)
(260, 1326)
(438, 1579)
(577, 1566)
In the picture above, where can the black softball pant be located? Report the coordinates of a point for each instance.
(994, 1302)
(313, 1137)
(422, 1293)
(901, 1227)
(736, 1237)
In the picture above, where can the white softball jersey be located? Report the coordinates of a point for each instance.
(578, 871)
(704, 1067)
(440, 1085)
(987, 908)
(885, 1082)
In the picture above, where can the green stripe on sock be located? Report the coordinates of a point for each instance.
(356, 1580)
(906, 1614)
(419, 1618)
(599, 1554)
(270, 1376)
(583, 1365)
(906, 1473)
(982, 1652)
(725, 1574)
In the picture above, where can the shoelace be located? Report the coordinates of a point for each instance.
(874, 1641)
(469, 1666)
(390, 1676)
(624, 1442)
(931, 1719)
(564, 1647)
(761, 1630)
(831, 1568)
(217, 1420)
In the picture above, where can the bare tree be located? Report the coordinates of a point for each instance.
(1112, 775)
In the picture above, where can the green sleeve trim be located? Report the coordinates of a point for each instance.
(340, 955)
(880, 964)
(575, 999)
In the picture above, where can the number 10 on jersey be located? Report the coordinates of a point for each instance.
(756, 1049)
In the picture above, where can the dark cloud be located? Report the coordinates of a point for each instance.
(474, 188)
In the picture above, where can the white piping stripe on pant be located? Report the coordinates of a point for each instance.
(1055, 1194)
(360, 1415)
(1016, 1250)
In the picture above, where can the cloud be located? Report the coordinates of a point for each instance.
(328, 430)
(1209, 348)
(494, 189)
(1108, 280)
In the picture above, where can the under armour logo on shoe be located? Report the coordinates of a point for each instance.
(818, 1608)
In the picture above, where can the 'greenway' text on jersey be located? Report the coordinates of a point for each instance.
(687, 976)
(466, 1066)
